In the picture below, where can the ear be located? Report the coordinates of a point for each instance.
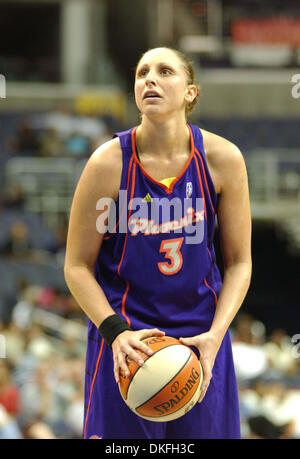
(190, 93)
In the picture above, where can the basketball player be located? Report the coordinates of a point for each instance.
(148, 282)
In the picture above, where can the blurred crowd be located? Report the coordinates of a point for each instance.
(62, 132)
(42, 328)
(42, 367)
(268, 374)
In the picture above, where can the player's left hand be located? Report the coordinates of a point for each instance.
(208, 347)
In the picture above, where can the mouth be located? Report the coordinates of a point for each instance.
(151, 95)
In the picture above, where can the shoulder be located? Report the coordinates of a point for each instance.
(224, 158)
(220, 150)
(103, 169)
(107, 155)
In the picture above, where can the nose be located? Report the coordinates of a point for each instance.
(150, 78)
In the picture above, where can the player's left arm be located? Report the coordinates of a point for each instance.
(234, 219)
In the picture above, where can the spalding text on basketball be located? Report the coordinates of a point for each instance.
(164, 407)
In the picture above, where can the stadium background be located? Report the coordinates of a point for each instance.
(68, 68)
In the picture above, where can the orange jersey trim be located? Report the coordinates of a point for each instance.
(169, 189)
(129, 213)
(92, 386)
(212, 290)
(124, 247)
(204, 173)
(201, 184)
(124, 304)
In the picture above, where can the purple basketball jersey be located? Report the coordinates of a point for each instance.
(157, 268)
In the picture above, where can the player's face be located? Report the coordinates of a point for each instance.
(160, 84)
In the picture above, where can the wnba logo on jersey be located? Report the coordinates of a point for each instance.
(189, 189)
(159, 216)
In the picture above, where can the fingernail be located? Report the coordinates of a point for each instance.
(149, 352)
(141, 362)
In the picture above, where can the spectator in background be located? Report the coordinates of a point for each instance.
(248, 330)
(247, 347)
(66, 121)
(51, 145)
(252, 397)
(102, 138)
(52, 299)
(38, 398)
(47, 395)
(278, 351)
(77, 145)
(91, 126)
(61, 119)
(39, 345)
(22, 312)
(71, 347)
(57, 300)
(26, 364)
(266, 410)
(262, 428)
(59, 246)
(70, 390)
(9, 429)
(14, 342)
(25, 141)
(282, 407)
(34, 429)
(73, 310)
(10, 297)
(9, 392)
(18, 245)
(13, 198)
(45, 297)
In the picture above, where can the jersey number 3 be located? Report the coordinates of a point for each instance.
(172, 249)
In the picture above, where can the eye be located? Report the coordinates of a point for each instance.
(166, 71)
(142, 72)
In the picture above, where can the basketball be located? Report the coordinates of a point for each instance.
(167, 386)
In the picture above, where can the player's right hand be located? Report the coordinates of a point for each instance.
(126, 344)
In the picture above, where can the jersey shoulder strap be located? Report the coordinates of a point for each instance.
(201, 157)
(126, 146)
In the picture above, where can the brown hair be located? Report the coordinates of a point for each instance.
(188, 68)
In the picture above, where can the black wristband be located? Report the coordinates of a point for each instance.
(111, 327)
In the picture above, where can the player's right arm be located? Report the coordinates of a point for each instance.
(100, 178)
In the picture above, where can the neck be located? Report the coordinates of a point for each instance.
(166, 139)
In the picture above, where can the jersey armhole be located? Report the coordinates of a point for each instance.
(214, 196)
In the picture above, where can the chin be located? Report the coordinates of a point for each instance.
(158, 117)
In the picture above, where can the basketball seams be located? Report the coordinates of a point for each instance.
(173, 377)
(145, 360)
